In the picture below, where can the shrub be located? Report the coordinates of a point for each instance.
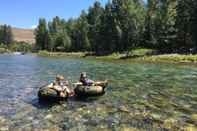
(21, 47)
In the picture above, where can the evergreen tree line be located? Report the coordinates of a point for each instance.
(6, 36)
(122, 25)
(7, 42)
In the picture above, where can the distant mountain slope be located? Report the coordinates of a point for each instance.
(26, 35)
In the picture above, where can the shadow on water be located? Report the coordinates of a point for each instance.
(43, 104)
(46, 104)
(84, 99)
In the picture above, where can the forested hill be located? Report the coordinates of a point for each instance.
(25, 35)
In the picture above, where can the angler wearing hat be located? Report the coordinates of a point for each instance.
(84, 80)
(61, 85)
(88, 82)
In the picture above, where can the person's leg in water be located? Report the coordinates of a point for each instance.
(100, 83)
(69, 91)
(62, 94)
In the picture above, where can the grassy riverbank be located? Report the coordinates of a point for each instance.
(16, 47)
(113, 56)
(173, 58)
(146, 55)
(4, 50)
(61, 54)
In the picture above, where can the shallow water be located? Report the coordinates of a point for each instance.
(140, 96)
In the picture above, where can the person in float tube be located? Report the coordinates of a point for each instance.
(84, 80)
(61, 85)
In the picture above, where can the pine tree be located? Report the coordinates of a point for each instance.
(194, 24)
(108, 31)
(122, 24)
(151, 24)
(6, 36)
(167, 31)
(130, 16)
(9, 36)
(41, 35)
(94, 21)
(167, 25)
(183, 24)
(160, 22)
(63, 42)
(80, 33)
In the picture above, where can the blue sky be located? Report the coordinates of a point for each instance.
(25, 13)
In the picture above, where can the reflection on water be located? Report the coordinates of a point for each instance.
(139, 97)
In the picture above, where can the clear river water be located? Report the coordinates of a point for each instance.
(140, 96)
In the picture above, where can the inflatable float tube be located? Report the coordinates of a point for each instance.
(94, 90)
(47, 93)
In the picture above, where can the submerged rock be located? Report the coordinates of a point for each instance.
(156, 116)
(194, 117)
(49, 116)
(190, 127)
(129, 129)
(2, 119)
(4, 128)
(169, 123)
(123, 109)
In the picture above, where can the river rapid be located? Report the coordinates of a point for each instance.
(140, 96)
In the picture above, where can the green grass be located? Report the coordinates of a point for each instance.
(142, 52)
(171, 58)
(114, 56)
(61, 54)
(145, 55)
(139, 52)
(3, 50)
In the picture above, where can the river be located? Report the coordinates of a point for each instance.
(140, 96)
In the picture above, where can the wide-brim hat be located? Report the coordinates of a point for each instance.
(59, 77)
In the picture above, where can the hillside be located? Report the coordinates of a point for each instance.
(26, 35)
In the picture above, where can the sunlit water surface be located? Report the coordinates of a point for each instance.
(139, 97)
